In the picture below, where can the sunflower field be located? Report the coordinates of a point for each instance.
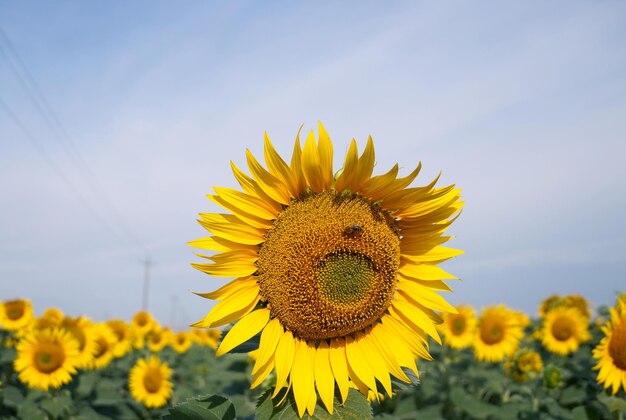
(334, 308)
(555, 366)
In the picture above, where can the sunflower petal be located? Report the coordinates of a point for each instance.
(303, 374)
(357, 361)
(245, 329)
(231, 308)
(283, 359)
(279, 168)
(325, 147)
(339, 365)
(311, 164)
(269, 340)
(271, 185)
(349, 165)
(324, 379)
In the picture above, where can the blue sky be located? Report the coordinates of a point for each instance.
(521, 104)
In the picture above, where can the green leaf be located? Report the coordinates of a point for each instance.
(356, 407)
(7, 355)
(612, 402)
(572, 395)
(203, 407)
(12, 396)
(471, 405)
(59, 404)
(29, 410)
(86, 383)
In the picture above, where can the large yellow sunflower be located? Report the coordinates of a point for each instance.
(333, 271)
(46, 358)
(497, 335)
(149, 382)
(611, 351)
(15, 314)
(564, 329)
(458, 329)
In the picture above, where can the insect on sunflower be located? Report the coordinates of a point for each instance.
(332, 271)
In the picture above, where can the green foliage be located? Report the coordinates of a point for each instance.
(207, 407)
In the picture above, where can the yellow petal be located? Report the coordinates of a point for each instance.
(365, 166)
(414, 339)
(424, 272)
(311, 165)
(283, 359)
(434, 254)
(215, 243)
(357, 361)
(269, 340)
(246, 203)
(374, 187)
(279, 168)
(373, 358)
(414, 316)
(251, 187)
(259, 376)
(232, 308)
(324, 379)
(339, 365)
(229, 227)
(271, 185)
(349, 167)
(426, 297)
(386, 351)
(245, 329)
(401, 351)
(228, 269)
(296, 166)
(231, 287)
(325, 148)
(303, 374)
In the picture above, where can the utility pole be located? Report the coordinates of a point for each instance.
(147, 263)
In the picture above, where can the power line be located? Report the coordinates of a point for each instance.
(42, 105)
(44, 155)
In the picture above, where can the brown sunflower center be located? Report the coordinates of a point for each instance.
(562, 328)
(491, 331)
(48, 357)
(328, 265)
(141, 319)
(617, 345)
(458, 324)
(103, 346)
(14, 310)
(152, 380)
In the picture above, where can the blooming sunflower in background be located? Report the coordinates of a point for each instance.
(143, 322)
(46, 358)
(15, 314)
(497, 335)
(158, 338)
(82, 330)
(181, 341)
(122, 334)
(524, 365)
(564, 329)
(208, 337)
(54, 315)
(149, 382)
(105, 340)
(568, 301)
(333, 271)
(611, 351)
(458, 329)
